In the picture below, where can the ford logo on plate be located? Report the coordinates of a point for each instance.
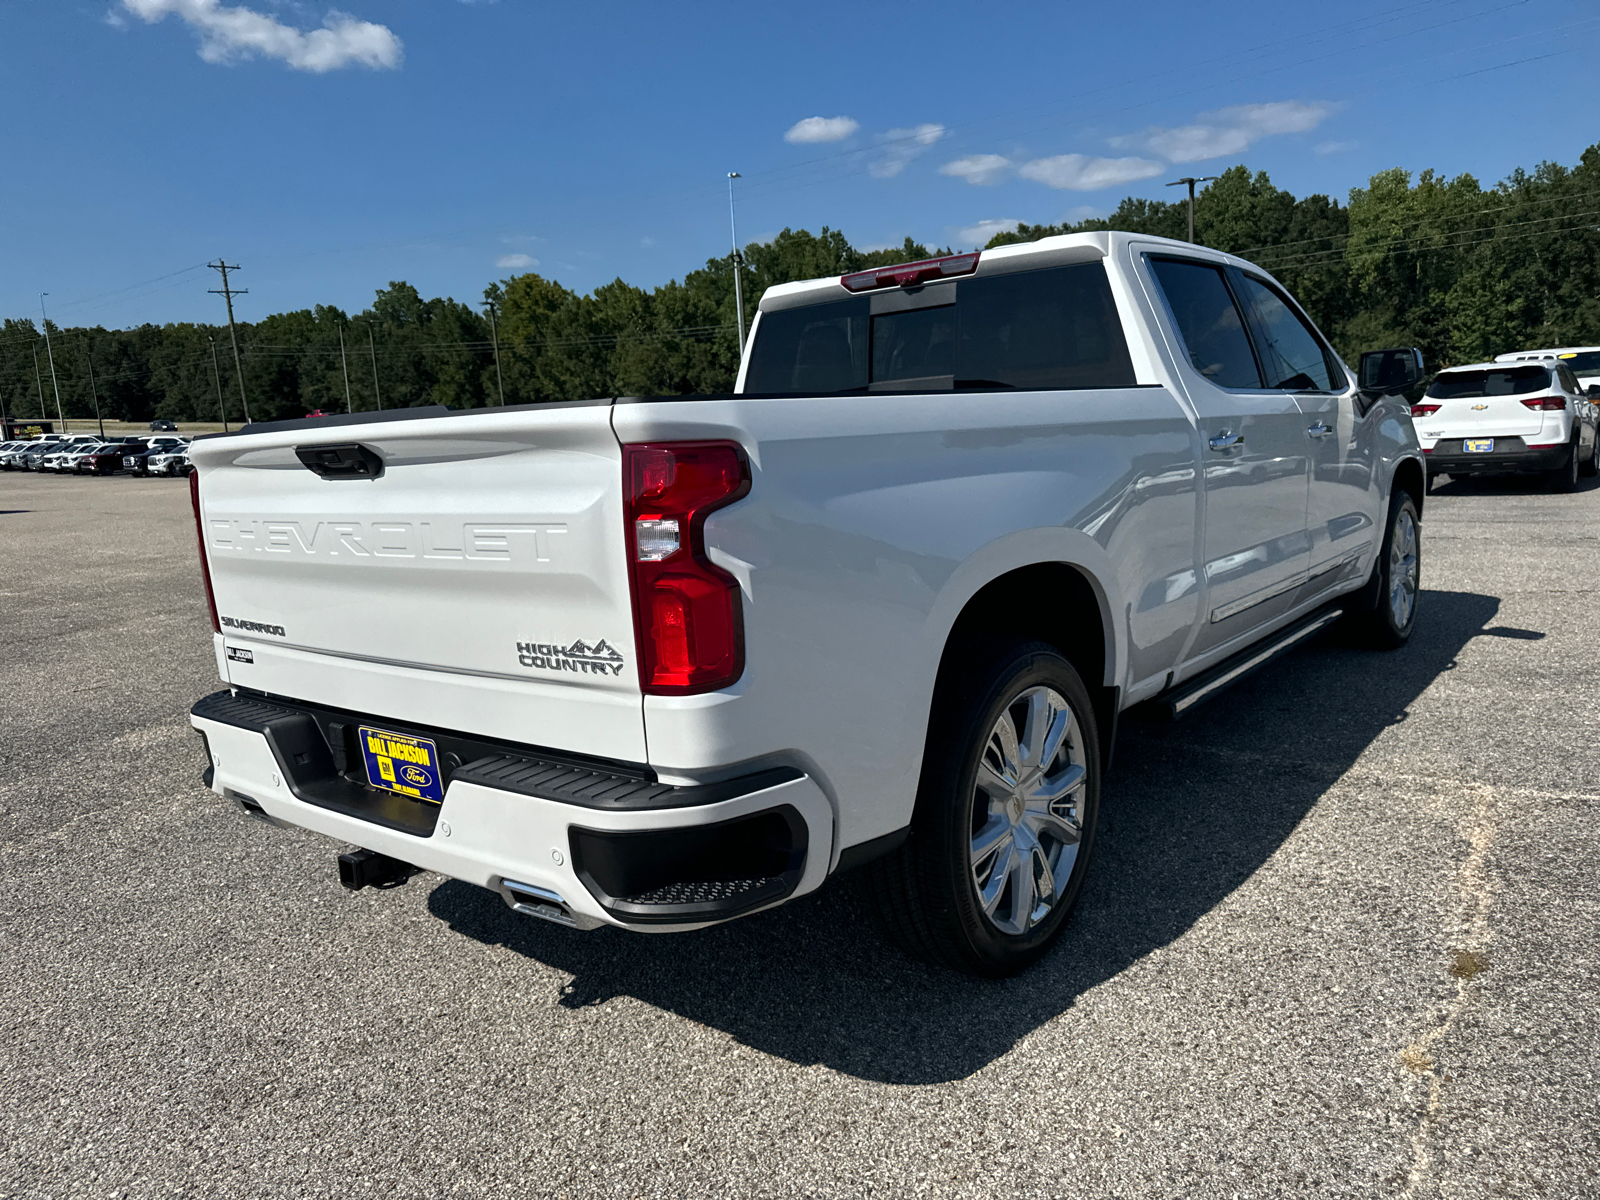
(415, 775)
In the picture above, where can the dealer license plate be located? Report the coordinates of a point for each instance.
(1478, 446)
(398, 763)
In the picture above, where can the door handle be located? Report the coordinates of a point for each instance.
(1319, 430)
(1226, 440)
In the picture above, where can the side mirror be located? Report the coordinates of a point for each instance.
(1593, 390)
(1390, 372)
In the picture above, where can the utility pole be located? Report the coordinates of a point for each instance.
(348, 407)
(1191, 181)
(228, 294)
(738, 286)
(43, 416)
(217, 375)
(95, 392)
(377, 400)
(494, 332)
(50, 354)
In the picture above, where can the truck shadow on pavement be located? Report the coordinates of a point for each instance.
(1189, 812)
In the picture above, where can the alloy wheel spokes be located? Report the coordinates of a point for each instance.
(1403, 569)
(1027, 809)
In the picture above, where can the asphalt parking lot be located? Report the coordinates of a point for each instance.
(1342, 939)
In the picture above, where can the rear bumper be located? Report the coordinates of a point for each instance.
(616, 846)
(1449, 460)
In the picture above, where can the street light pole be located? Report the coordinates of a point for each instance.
(50, 354)
(95, 392)
(377, 400)
(348, 407)
(738, 286)
(39, 382)
(1191, 181)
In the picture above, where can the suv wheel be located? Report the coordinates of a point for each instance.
(1591, 465)
(1005, 816)
(1564, 479)
(1383, 614)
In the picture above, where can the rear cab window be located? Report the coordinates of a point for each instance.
(1051, 328)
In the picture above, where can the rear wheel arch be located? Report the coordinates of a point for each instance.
(1057, 603)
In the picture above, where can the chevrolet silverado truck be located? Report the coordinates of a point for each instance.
(659, 662)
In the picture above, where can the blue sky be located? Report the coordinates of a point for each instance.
(449, 143)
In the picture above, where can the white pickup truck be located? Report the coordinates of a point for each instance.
(657, 662)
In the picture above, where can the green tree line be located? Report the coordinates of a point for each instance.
(1461, 270)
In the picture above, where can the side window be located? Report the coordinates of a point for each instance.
(817, 348)
(1291, 355)
(1569, 380)
(1052, 328)
(1209, 321)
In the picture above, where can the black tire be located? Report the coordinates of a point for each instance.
(1564, 479)
(1591, 465)
(1375, 618)
(927, 892)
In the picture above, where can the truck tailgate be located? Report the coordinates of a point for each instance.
(478, 583)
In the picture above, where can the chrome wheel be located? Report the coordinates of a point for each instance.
(1403, 569)
(1027, 810)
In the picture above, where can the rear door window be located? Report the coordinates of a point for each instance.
(1209, 321)
(1291, 355)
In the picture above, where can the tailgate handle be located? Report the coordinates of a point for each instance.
(349, 461)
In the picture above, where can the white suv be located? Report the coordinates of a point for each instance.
(1528, 416)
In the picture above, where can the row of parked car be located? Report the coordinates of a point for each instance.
(88, 454)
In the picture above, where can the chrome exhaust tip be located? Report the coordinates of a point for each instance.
(541, 902)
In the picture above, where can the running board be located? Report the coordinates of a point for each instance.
(1202, 687)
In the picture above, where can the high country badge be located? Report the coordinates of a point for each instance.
(598, 659)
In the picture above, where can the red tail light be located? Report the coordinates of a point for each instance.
(200, 535)
(687, 618)
(1424, 410)
(912, 273)
(1545, 403)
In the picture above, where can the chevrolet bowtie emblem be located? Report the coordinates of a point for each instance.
(1479, 407)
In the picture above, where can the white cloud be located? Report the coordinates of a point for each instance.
(978, 235)
(647, 242)
(1230, 130)
(1082, 173)
(900, 147)
(516, 262)
(978, 168)
(1334, 147)
(821, 129)
(230, 32)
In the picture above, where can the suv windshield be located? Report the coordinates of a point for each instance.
(1499, 381)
